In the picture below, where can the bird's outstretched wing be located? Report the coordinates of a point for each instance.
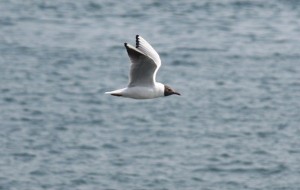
(147, 49)
(145, 63)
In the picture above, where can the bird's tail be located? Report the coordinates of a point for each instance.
(115, 93)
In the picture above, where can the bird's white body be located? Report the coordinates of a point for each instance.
(145, 63)
(141, 92)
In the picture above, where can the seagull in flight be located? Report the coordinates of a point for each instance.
(145, 63)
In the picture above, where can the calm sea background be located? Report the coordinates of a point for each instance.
(235, 127)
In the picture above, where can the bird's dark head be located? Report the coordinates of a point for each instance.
(169, 91)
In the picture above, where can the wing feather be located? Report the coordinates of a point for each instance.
(147, 49)
(142, 67)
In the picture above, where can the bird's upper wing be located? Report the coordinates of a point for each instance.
(144, 63)
(142, 67)
(148, 50)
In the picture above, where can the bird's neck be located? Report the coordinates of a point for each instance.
(160, 88)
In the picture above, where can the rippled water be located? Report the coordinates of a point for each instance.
(236, 125)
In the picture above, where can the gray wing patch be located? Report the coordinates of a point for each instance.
(142, 67)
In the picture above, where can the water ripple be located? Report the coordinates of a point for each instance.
(236, 125)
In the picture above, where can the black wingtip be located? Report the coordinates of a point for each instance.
(125, 44)
(137, 41)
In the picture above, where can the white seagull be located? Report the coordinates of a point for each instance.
(145, 63)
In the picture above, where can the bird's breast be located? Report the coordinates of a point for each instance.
(142, 92)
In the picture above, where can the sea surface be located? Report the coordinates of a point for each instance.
(235, 127)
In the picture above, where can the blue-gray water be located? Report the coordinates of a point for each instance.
(235, 127)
